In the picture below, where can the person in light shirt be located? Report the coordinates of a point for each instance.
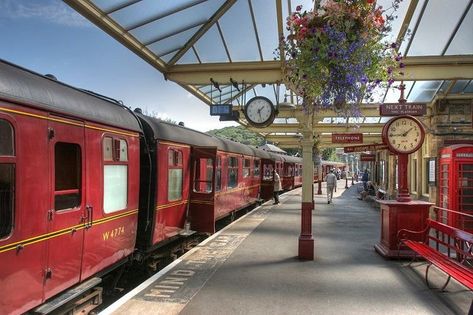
(331, 180)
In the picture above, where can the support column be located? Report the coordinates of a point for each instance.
(306, 241)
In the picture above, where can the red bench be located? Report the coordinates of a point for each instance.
(446, 247)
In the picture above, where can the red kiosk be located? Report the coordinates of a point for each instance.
(404, 135)
(456, 184)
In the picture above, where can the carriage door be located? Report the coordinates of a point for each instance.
(66, 214)
(202, 207)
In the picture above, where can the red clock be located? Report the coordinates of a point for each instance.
(403, 134)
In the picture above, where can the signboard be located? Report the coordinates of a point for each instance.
(220, 109)
(367, 157)
(347, 138)
(363, 148)
(432, 171)
(397, 109)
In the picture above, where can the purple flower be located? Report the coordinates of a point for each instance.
(402, 65)
(299, 8)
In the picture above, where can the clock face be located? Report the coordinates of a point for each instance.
(259, 111)
(404, 134)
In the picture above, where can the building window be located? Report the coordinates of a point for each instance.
(425, 184)
(218, 174)
(246, 167)
(232, 172)
(115, 178)
(175, 171)
(203, 175)
(68, 175)
(256, 168)
(7, 178)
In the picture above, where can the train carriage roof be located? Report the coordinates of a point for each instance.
(27, 87)
(170, 132)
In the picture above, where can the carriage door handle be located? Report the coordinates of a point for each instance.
(90, 211)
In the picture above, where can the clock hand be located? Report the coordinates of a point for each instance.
(405, 133)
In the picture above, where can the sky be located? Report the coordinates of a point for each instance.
(47, 36)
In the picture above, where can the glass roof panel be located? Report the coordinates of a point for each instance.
(424, 91)
(206, 88)
(188, 57)
(210, 47)
(384, 120)
(172, 42)
(449, 12)
(459, 86)
(107, 5)
(265, 16)
(462, 43)
(174, 23)
(238, 31)
(445, 85)
(469, 88)
(414, 20)
(371, 120)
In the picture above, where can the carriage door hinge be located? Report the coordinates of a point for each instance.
(50, 214)
(51, 133)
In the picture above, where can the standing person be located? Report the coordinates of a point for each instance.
(365, 178)
(331, 181)
(277, 187)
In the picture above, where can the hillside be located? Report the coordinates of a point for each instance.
(239, 134)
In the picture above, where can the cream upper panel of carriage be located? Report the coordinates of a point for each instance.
(29, 88)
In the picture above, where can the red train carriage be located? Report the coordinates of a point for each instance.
(165, 180)
(267, 164)
(69, 180)
(292, 172)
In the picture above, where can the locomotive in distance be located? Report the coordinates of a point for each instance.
(88, 186)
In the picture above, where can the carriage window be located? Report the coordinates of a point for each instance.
(256, 168)
(232, 172)
(6, 139)
(7, 178)
(68, 168)
(107, 149)
(246, 167)
(218, 174)
(174, 175)
(203, 175)
(267, 172)
(7, 198)
(115, 174)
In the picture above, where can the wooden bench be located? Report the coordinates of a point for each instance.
(446, 247)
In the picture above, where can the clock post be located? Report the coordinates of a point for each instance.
(403, 135)
(403, 194)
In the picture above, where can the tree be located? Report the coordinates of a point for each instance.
(328, 154)
(238, 134)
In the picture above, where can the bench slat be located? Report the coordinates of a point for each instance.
(458, 271)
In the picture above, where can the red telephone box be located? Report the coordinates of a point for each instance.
(456, 183)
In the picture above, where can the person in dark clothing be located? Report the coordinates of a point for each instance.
(365, 178)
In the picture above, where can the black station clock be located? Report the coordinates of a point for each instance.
(259, 111)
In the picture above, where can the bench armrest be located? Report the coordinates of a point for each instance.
(405, 234)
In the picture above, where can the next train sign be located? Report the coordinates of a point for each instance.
(396, 109)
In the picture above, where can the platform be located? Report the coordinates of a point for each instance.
(251, 267)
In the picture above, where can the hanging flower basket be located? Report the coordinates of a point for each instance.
(335, 55)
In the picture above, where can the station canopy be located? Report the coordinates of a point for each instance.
(205, 44)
